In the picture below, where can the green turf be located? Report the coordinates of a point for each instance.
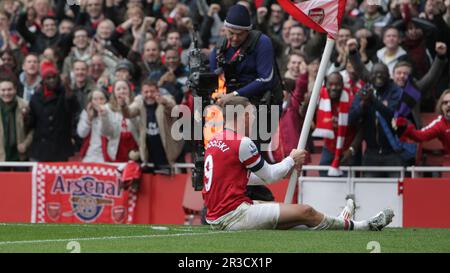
(144, 238)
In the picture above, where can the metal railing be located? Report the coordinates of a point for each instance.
(350, 170)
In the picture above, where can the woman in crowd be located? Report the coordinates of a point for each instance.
(122, 134)
(89, 128)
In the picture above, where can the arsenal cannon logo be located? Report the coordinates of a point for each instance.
(317, 15)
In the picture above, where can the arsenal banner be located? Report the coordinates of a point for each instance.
(321, 15)
(75, 192)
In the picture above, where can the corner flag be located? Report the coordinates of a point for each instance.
(321, 15)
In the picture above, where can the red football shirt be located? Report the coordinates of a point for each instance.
(229, 158)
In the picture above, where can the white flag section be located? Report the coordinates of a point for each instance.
(323, 12)
(320, 15)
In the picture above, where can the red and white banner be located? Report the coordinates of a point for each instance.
(75, 192)
(321, 15)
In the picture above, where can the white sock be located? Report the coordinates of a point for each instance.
(335, 223)
(360, 225)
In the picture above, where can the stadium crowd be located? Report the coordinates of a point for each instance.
(99, 78)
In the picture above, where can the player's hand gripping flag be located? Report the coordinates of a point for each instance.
(321, 15)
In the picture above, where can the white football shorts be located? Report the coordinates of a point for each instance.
(259, 215)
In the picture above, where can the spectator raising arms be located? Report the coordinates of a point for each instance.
(156, 144)
(173, 76)
(288, 132)
(51, 114)
(392, 52)
(121, 133)
(149, 61)
(438, 128)
(47, 36)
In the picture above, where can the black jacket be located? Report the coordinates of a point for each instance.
(385, 103)
(39, 42)
(51, 118)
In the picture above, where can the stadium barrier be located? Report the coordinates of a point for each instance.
(160, 198)
(406, 196)
(417, 202)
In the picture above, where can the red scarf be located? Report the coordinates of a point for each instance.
(48, 93)
(324, 125)
(87, 141)
(353, 87)
(126, 144)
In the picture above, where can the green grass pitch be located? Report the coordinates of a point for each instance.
(170, 238)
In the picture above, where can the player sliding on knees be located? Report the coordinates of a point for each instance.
(232, 162)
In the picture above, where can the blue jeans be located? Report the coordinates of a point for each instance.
(325, 160)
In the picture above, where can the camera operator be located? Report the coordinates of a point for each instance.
(246, 59)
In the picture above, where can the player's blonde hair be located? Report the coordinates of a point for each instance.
(236, 100)
(233, 103)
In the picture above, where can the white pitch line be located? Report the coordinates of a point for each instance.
(181, 228)
(71, 225)
(111, 238)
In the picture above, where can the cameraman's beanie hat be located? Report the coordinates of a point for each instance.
(238, 17)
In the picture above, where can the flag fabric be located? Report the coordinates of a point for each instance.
(324, 127)
(321, 15)
(410, 97)
(76, 192)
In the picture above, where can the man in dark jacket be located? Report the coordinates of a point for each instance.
(51, 110)
(149, 61)
(172, 76)
(413, 89)
(46, 37)
(378, 99)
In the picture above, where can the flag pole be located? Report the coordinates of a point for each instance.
(310, 113)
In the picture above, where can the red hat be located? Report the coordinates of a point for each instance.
(48, 68)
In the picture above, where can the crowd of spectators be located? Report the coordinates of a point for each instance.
(99, 78)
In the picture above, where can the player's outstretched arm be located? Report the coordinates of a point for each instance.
(263, 172)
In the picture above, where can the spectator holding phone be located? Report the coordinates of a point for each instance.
(89, 129)
(121, 133)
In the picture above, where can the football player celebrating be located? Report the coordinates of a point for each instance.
(232, 161)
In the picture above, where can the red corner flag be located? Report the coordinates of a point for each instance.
(321, 15)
